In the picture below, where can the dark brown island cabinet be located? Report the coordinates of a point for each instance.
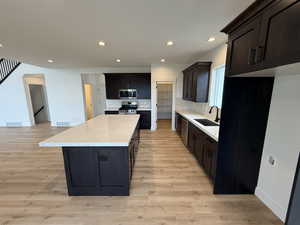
(100, 171)
(196, 82)
(202, 146)
(266, 35)
(99, 159)
(114, 82)
(145, 117)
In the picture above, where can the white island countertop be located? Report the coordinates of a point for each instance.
(103, 130)
(212, 131)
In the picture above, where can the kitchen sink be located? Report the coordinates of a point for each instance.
(206, 122)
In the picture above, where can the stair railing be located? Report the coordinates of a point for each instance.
(7, 66)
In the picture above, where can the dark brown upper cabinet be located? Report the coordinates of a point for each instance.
(196, 82)
(242, 48)
(116, 81)
(266, 35)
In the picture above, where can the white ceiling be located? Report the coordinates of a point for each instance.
(136, 31)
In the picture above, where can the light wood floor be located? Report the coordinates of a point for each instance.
(168, 187)
(164, 124)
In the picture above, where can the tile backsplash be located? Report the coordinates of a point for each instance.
(143, 103)
(201, 108)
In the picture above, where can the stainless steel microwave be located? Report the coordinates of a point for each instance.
(128, 94)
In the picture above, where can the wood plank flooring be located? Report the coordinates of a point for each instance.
(168, 187)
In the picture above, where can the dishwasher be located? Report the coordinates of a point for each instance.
(184, 131)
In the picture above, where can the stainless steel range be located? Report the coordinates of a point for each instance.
(128, 107)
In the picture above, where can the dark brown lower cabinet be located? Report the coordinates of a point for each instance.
(184, 131)
(210, 157)
(204, 149)
(100, 171)
(111, 112)
(178, 119)
(145, 119)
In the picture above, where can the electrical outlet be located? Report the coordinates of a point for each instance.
(272, 161)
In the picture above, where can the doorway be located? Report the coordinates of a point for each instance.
(38, 103)
(89, 107)
(164, 105)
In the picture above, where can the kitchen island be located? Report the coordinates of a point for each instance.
(99, 155)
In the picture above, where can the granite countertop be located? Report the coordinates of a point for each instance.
(103, 130)
(212, 131)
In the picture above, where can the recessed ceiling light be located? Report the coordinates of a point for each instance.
(1, 45)
(211, 39)
(118, 60)
(162, 60)
(170, 43)
(50, 61)
(101, 43)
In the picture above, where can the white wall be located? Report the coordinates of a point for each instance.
(218, 57)
(281, 142)
(164, 73)
(64, 94)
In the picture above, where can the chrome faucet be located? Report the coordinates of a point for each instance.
(217, 116)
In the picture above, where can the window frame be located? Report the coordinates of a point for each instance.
(213, 100)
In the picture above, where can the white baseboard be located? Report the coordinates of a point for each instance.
(15, 124)
(26, 124)
(271, 204)
(153, 126)
(65, 124)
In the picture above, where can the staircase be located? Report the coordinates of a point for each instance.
(7, 66)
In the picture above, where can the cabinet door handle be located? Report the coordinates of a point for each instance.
(251, 56)
(103, 158)
(259, 54)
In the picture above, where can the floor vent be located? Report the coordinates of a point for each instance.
(62, 124)
(14, 124)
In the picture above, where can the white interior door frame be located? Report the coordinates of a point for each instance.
(37, 79)
(173, 83)
(91, 99)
